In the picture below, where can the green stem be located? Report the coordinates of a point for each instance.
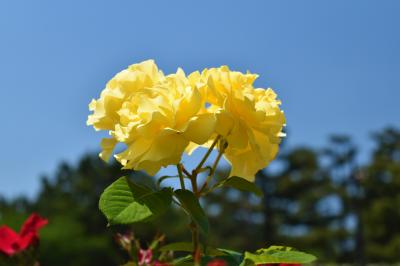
(207, 154)
(179, 167)
(196, 244)
(193, 226)
(221, 151)
(185, 171)
(193, 178)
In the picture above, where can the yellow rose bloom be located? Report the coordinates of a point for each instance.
(248, 118)
(154, 115)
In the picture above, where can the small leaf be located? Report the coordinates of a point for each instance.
(228, 260)
(242, 184)
(191, 204)
(277, 254)
(183, 261)
(214, 252)
(125, 202)
(236, 256)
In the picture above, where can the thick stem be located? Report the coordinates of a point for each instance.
(193, 178)
(193, 226)
(196, 244)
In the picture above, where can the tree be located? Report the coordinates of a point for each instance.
(381, 208)
(297, 205)
(322, 202)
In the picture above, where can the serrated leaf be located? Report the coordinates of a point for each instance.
(191, 204)
(242, 184)
(275, 248)
(125, 202)
(277, 254)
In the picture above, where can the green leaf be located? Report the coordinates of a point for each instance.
(191, 204)
(158, 201)
(276, 254)
(214, 252)
(183, 261)
(125, 202)
(229, 261)
(242, 184)
(236, 256)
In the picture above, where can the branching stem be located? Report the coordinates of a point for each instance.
(207, 154)
(198, 193)
(223, 146)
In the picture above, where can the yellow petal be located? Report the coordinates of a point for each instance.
(200, 128)
(107, 146)
(244, 164)
(225, 123)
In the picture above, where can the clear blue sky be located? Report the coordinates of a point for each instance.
(335, 65)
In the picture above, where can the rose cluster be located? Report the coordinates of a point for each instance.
(158, 117)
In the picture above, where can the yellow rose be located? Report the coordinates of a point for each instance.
(248, 118)
(156, 116)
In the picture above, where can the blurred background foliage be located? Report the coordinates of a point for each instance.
(320, 201)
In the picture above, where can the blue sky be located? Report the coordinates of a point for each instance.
(334, 64)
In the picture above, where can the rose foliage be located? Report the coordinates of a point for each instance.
(155, 118)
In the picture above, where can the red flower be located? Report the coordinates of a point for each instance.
(145, 256)
(158, 263)
(11, 242)
(217, 262)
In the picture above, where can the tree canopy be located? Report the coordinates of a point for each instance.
(322, 201)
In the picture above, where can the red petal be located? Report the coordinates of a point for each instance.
(217, 262)
(157, 263)
(27, 240)
(8, 240)
(145, 256)
(32, 224)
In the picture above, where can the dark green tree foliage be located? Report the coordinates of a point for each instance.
(298, 205)
(320, 202)
(235, 219)
(70, 202)
(77, 233)
(340, 157)
(381, 199)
